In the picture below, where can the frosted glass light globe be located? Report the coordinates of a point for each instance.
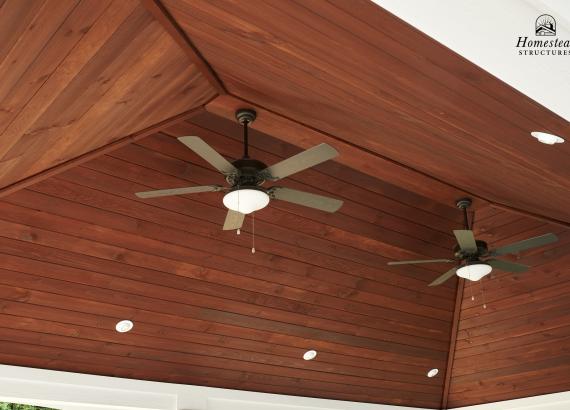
(474, 271)
(246, 200)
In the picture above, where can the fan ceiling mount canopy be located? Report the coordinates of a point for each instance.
(473, 257)
(245, 177)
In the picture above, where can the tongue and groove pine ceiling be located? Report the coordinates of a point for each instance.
(91, 98)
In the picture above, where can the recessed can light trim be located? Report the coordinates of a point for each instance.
(546, 138)
(310, 355)
(124, 326)
(432, 373)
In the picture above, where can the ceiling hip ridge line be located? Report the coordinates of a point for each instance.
(452, 343)
(165, 19)
(441, 183)
(97, 152)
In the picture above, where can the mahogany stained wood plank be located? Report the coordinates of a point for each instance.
(80, 251)
(384, 93)
(517, 346)
(79, 75)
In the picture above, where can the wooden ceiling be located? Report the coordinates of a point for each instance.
(94, 93)
(77, 75)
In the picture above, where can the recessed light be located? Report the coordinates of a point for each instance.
(310, 354)
(432, 373)
(546, 138)
(124, 326)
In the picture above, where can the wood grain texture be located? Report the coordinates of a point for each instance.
(354, 71)
(80, 251)
(517, 347)
(77, 75)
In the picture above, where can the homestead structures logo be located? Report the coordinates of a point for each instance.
(544, 26)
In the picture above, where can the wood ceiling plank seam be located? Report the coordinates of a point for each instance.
(402, 46)
(551, 314)
(95, 37)
(355, 306)
(163, 331)
(215, 302)
(214, 175)
(163, 16)
(317, 175)
(306, 371)
(33, 179)
(308, 58)
(108, 352)
(213, 313)
(28, 347)
(224, 107)
(448, 373)
(189, 339)
(56, 50)
(505, 374)
(124, 88)
(527, 353)
(172, 378)
(392, 224)
(555, 327)
(314, 284)
(222, 332)
(453, 143)
(204, 300)
(105, 64)
(15, 17)
(251, 283)
(317, 311)
(403, 351)
(554, 294)
(453, 65)
(121, 192)
(36, 37)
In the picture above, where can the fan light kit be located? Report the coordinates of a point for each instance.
(310, 355)
(246, 176)
(474, 271)
(124, 326)
(546, 138)
(246, 200)
(474, 259)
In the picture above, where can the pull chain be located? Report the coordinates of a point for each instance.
(238, 231)
(471, 290)
(483, 294)
(253, 232)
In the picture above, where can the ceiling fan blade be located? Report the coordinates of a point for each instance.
(234, 220)
(526, 244)
(199, 146)
(445, 277)
(466, 240)
(303, 160)
(421, 261)
(507, 266)
(179, 191)
(323, 203)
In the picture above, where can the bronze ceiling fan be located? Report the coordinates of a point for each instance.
(246, 176)
(474, 259)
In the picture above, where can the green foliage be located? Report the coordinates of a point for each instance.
(17, 406)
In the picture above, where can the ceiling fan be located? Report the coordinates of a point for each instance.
(474, 259)
(246, 175)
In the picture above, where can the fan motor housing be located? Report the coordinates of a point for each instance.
(482, 249)
(249, 173)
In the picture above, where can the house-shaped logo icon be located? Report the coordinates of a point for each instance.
(545, 25)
